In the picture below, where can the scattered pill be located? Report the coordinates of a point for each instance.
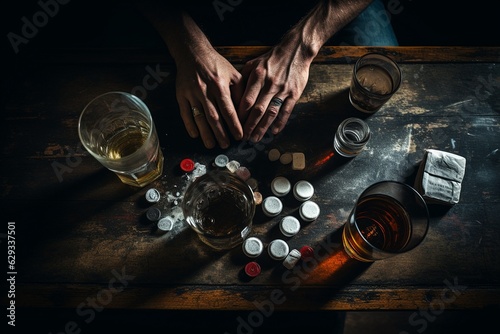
(152, 195)
(289, 226)
(187, 165)
(280, 186)
(253, 183)
(252, 247)
(233, 165)
(252, 269)
(243, 173)
(303, 190)
(278, 249)
(272, 206)
(298, 161)
(165, 224)
(274, 154)
(257, 196)
(286, 158)
(221, 160)
(309, 211)
(306, 252)
(291, 259)
(153, 214)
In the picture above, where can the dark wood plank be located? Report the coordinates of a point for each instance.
(78, 227)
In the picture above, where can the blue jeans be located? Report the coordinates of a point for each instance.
(372, 27)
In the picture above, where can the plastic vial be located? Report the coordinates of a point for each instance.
(165, 224)
(303, 190)
(278, 249)
(272, 206)
(152, 195)
(153, 214)
(351, 137)
(252, 247)
(309, 211)
(280, 186)
(289, 226)
(221, 160)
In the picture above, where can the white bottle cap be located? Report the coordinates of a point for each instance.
(303, 190)
(277, 249)
(272, 206)
(292, 258)
(309, 211)
(252, 247)
(221, 160)
(152, 195)
(165, 224)
(280, 186)
(289, 226)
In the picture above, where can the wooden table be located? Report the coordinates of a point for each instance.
(81, 237)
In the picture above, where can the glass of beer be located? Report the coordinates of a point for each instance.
(375, 79)
(389, 218)
(219, 207)
(117, 129)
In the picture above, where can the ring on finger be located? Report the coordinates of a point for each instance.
(196, 112)
(276, 101)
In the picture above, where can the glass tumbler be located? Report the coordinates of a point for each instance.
(375, 79)
(117, 129)
(389, 218)
(219, 207)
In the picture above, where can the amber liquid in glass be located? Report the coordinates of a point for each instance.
(384, 225)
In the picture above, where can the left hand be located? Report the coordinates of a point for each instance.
(270, 87)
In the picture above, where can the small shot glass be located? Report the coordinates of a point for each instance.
(351, 137)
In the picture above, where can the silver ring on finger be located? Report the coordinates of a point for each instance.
(276, 102)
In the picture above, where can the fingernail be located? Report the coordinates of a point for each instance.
(209, 144)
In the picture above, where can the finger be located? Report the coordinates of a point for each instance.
(283, 116)
(215, 125)
(203, 127)
(250, 96)
(187, 118)
(237, 91)
(272, 111)
(230, 116)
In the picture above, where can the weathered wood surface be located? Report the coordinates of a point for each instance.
(77, 226)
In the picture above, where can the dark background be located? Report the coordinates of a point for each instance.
(110, 24)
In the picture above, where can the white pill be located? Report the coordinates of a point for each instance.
(291, 259)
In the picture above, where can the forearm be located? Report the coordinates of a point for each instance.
(327, 18)
(178, 30)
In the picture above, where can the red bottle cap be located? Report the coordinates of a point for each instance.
(187, 165)
(252, 269)
(306, 252)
